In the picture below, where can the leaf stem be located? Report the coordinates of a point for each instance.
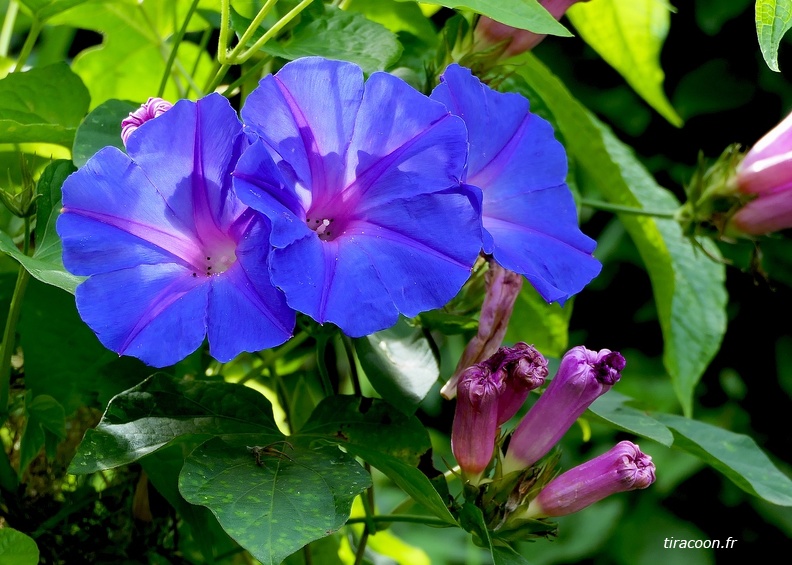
(229, 91)
(177, 39)
(249, 32)
(410, 518)
(619, 209)
(8, 27)
(30, 41)
(273, 31)
(349, 349)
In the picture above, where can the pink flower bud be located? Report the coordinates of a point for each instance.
(503, 287)
(766, 172)
(489, 33)
(582, 377)
(153, 108)
(621, 469)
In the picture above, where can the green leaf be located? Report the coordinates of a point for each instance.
(688, 285)
(773, 20)
(16, 548)
(338, 35)
(400, 364)
(43, 104)
(543, 325)
(101, 128)
(63, 357)
(629, 36)
(351, 420)
(160, 411)
(46, 263)
(735, 455)
(613, 408)
(522, 14)
(505, 555)
(276, 507)
(45, 425)
(130, 62)
(409, 479)
(45, 9)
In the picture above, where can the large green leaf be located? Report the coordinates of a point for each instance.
(43, 104)
(736, 456)
(275, 504)
(101, 128)
(336, 34)
(773, 20)
(613, 408)
(46, 264)
(350, 420)
(16, 548)
(400, 364)
(45, 426)
(688, 285)
(160, 410)
(130, 62)
(629, 36)
(45, 9)
(522, 14)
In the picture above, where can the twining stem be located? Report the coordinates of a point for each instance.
(368, 508)
(8, 27)
(349, 349)
(411, 518)
(248, 35)
(273, 31)
(177, 39)
(30, 41)
(253, 70)
(7, 347)
(619, 209)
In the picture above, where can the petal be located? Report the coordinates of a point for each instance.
(112, 213)
(404, 144)
(333, 283)
(529, 215)
(259, 184)
(305, 114)
(200, 142)
(424, 246)
(533, 235)
(246, 312)
(765, 214)
(154, 312)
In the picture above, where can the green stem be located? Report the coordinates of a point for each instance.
(619, 209)
(273, 31)
(349, 349)
(251, 30)
(324, 375)
(30, 41)
(8, 27)
(411, 518)
(217, 79)
(177, 39)
(361, 549)
(225, 26)
(271, 356)
(229, 91)
(344, 4)
(7, 347)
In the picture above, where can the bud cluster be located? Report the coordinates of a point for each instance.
(522, 488)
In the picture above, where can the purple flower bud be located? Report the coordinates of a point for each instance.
(153, 108)
(488, 32)
(621, 469)
(503, 287)
(583, 376)
(521, 369)
(475, 421)
(766, 172)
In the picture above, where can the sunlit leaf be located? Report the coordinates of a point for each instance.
(522, 14)
(735, 455)
(101, 128)
(16, 548)
(45, 9)
(613, 408)
(629, 36)
(400, 364)
(773, 20)
(43, 104)
(688, 284)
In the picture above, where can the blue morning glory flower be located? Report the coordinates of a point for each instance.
(528, 213)
(170, 253)
(361, 184)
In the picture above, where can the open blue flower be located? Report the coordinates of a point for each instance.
(171, 254)
(528, 213)
(361, 184)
